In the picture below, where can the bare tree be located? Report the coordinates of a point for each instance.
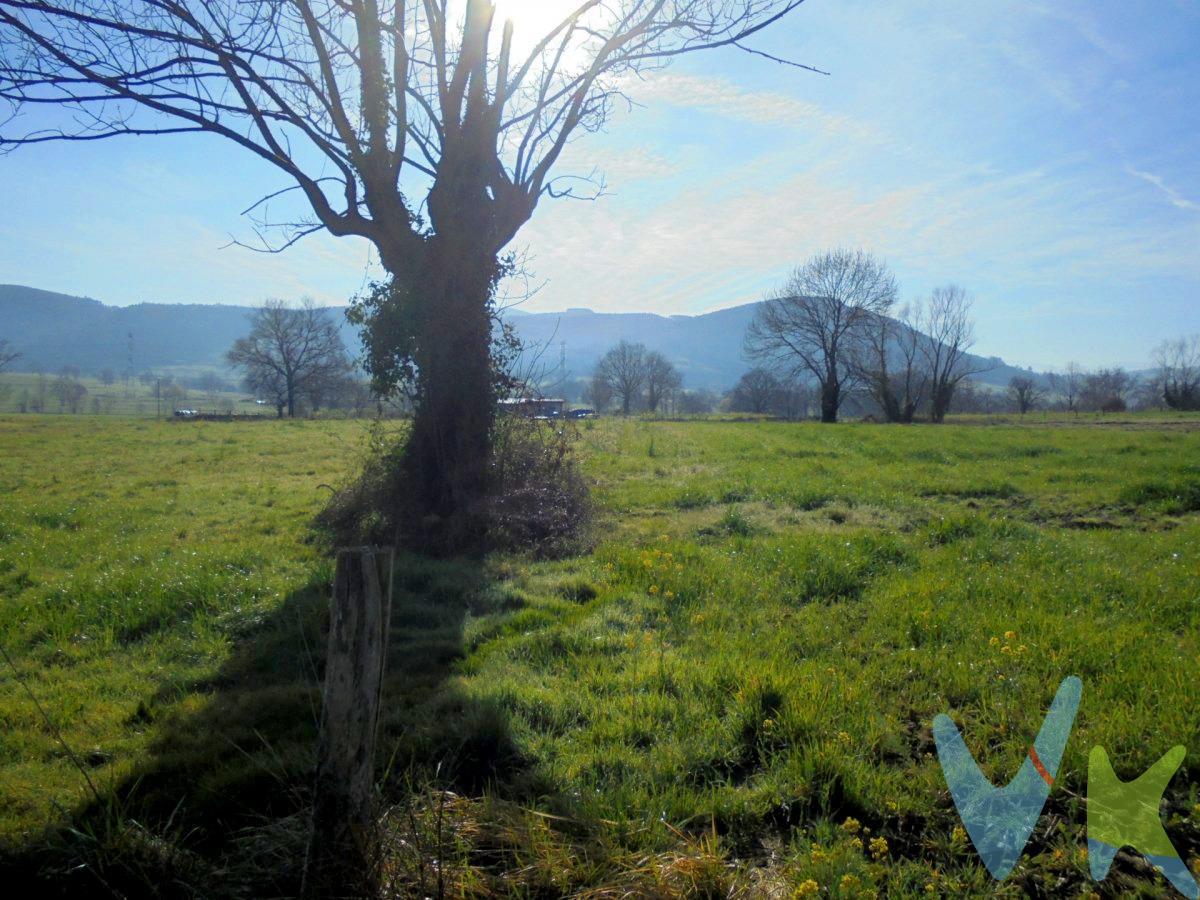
(288, 352)
(1178, 363)
(887, 362)
(68, 391)
(598, 393)
(794, 398)
(662, 380)
(697, 402)
(1024, 392)
(949, 333)
(757, 391)
(211, 384)
(809, 323)
(972, 397)
(1106, 390)
(424, 126)
(7, 355)
(1067, 385)
(623, 370)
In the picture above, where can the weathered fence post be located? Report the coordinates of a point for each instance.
(341, 859)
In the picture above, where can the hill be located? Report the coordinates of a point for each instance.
(53, 330)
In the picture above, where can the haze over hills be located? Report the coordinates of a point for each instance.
(54, 330)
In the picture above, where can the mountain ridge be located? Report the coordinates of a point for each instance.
(52, 330)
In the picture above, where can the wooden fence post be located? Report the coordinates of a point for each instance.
(341, 858)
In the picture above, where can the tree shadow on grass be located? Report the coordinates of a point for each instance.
(220, 805)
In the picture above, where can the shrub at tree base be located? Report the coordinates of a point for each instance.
(537, 501)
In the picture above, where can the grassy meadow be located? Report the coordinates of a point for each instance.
(730, 696)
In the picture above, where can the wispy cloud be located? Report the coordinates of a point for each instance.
(719, 96)
(1173, 196)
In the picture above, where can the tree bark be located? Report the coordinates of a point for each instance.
(830, 401)
(448, 454)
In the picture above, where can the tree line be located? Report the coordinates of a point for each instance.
(833, 335)
(834, 322)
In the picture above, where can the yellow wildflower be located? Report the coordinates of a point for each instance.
(849, 882)
(844, 738)
(807, 888)
(654, 590)
(994, 641)
(879, 847)
(851, 825)
(818, 854)
(1009, 635)
(1006, 649)
(856, 843)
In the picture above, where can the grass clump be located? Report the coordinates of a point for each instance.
(1171, 498)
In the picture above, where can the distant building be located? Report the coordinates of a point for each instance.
(536, 407)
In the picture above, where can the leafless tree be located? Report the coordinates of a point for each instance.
(662, 380)
(289, 351)
(1106, 390)
(68, 391)
(794, 398)
(949, 333)
(1024, 392)
(623, 369)
(1178, 363)
(887, 361)
(598, 393)
(424, 126)
(809, 323)
(211, 384)
(7, 355)
(757, 391)
(1067, 385)
(696, 402)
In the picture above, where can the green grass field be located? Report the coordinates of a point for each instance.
(730, 696)
(119, 398)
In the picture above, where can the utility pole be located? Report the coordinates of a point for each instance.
(158, 398)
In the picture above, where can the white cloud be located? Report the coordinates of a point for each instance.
(719, 96)
(1173, 196)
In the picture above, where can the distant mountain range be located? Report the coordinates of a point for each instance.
(54, 330)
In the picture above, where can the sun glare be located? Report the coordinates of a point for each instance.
(531, 19)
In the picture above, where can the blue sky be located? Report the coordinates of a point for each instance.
(1044, 155)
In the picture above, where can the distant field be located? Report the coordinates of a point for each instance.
(119, 398)
(731, 694)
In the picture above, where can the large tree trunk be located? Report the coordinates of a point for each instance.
(448, 454)
(830, 401)
(939, 403)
